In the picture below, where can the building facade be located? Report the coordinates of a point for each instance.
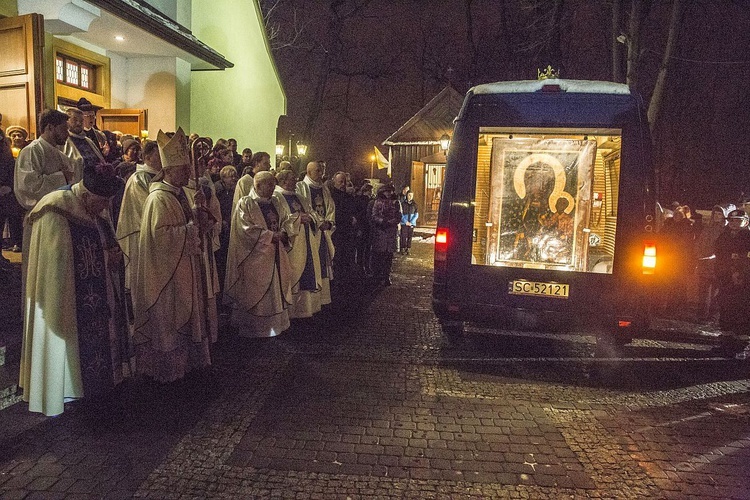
(149, 64)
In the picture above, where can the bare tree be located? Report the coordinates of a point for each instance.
(657, 97)
(617, 37)
(282, 35)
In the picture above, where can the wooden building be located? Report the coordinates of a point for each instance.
(417, 158)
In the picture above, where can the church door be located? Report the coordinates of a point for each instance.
(21, 71)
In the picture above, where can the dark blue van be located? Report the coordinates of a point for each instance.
(547, 215)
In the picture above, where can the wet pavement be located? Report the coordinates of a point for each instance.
(371, 401)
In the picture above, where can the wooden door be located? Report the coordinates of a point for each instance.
(127, 121)
(21, 71)
(416, 183)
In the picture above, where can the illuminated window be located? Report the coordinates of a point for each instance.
(85, 77)
(60, 69)
(71, 73)
(75, 73)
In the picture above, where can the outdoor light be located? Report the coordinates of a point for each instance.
(279, 149)
(120, 38)
(301, 149)
(445, 141)
(144, 134)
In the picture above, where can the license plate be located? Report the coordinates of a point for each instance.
(539, 289)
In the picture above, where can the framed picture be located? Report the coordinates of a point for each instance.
(540, 202)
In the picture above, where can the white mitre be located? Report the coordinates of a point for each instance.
(173, 151)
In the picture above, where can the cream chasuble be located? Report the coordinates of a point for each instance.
(258, 281)
(171, 334)
(304, 257)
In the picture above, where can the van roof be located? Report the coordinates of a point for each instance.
(572, 86)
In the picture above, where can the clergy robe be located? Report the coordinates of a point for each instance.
(75, 336)
(131, 214)
(245, 186)
(82, 151)
(171, 334)
(318, 202)
(258, 281)
(39, 170)
(209, 245)
(304, 257)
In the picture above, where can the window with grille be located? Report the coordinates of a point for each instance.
(74, 73)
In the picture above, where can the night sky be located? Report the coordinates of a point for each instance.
(358, 70)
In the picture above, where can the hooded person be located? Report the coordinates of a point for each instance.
(258, 286)
(75, 340)
(169, 302)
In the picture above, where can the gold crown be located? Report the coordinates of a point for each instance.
(547, 73)
(173, 151)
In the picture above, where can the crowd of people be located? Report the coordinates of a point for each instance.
(134, 252)
(708, 265)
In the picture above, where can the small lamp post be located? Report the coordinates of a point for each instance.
(372, 166)
(301, 152)
(279, 153)
(445, 142)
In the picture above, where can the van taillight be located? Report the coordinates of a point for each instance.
(441, 243)
(649, 257)
(441, 239)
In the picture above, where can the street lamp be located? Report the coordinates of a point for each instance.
(279, 150)
(372, 166)
(445, 142)
(301, 152)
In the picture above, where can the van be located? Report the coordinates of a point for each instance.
(547, 215)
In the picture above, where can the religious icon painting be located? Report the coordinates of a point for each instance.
(540, 195)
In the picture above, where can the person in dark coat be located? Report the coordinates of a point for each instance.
(733, 273)
(361, 204)
(225, 194)
(384, 220)
(343, 236)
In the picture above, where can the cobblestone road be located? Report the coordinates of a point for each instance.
(372, 402)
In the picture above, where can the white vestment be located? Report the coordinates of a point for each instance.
(171, 334)
(304, 243)
(258, 281)
(245, 186)
(209, 245)
(50, 359)
(39, 170)
(131, 214)
(322, 211)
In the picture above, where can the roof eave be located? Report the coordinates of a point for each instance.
(143, 15)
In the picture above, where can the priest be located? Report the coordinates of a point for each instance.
(210, 242)
(304, 242)
(318, 202)
(75, 340)
(258, 282)
(171, 333)
(131, 210)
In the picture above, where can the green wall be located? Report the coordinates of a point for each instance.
(8, 8)
(245, 101)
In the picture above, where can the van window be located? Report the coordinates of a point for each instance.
(547, 198)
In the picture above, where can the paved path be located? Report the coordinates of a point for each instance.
(376, 404)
